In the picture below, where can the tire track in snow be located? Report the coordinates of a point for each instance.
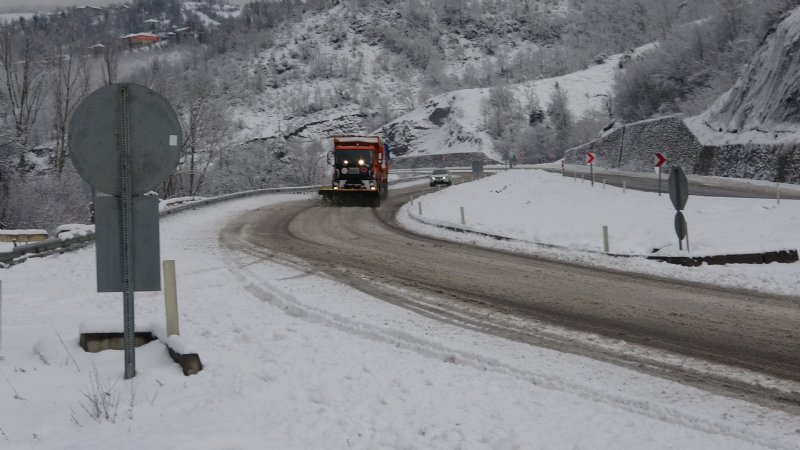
(268, 291)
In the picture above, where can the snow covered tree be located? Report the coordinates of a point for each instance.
(561, 118)
(307, 159)
(501, 111)
(206, 130)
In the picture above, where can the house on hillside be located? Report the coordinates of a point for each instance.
(151, 25)
(135, 40)
(97, 49)
(184, 33)
(90, 9)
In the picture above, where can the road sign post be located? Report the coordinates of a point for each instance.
(590, 161)
(124, 140)
(679, 195)
(680, 228)
(658, 169)
(660, 160)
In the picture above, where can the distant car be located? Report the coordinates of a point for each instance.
(441, 176)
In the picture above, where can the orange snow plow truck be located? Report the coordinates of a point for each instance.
(360, 171)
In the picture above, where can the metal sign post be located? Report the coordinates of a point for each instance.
(660, 160)
(679, 195)
(127, 233)
(124, 141)
(658, 169)
(590, 161)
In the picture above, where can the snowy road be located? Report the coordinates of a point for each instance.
(294, 360)
(516, 296)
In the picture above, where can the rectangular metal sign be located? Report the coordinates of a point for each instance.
(477, 169)
(146, 244)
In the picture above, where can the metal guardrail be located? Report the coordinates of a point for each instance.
(56, 245)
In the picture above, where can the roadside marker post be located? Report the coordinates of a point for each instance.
(623, 185)
(462, 215)
(170, 297)
(660, 160)
(778, 192)
(686, 230)
(590, 161)
(658, 170)
(605, 238)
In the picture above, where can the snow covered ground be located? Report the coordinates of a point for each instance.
(294, 360)
(535, 207)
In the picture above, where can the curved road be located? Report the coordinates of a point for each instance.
(698, 185)
(498, 292)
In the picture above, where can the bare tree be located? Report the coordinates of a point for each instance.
(7, 140)
(206, 129)
(255, 165)
(111, 54)
(69, 76)
(21, 79)
(501, 111)
(307, 159)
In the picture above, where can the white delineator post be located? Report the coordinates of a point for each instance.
(420, 207)
(605, 238)
(778, 192)
(688, 248)
(170, 297)
(462, 215)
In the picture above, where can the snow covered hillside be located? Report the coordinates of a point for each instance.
(351, 69)
(454, 122)
(764, 104)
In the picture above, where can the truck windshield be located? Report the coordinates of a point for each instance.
(352, 156)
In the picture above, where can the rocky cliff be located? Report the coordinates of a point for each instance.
(751, 131)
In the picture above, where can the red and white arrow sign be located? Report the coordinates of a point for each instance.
(660, 159)
(589, 157)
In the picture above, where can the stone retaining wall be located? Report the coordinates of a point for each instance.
(632, 148)
(443, 160)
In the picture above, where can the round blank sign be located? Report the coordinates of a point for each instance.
(154, 138)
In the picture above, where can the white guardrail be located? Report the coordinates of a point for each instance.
(50, 246)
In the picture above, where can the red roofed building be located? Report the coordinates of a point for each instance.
(140, 39)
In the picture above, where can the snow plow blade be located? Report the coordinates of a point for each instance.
(350, 197)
